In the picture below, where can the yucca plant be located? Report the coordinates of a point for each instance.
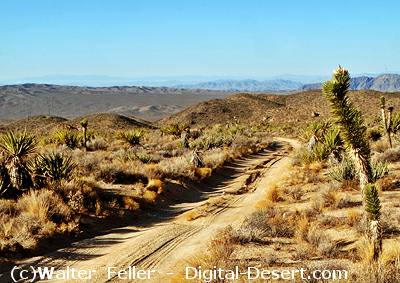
(333, 142)
(378, 170)
(395, 125)
(353, 132)
(56, 167)
(344, 171)
(132, 137)
(17, 147)
(68, 138)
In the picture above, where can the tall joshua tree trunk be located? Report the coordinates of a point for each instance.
(354, 135)
(386, 123)
(84, 124)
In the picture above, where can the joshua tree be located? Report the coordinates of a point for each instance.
(353, 133)
(84, 124)
(387, 123)
(5, 181)
(17, 147)
(185, 137)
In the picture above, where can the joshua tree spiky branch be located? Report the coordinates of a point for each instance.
(373, 209)
(354, 136)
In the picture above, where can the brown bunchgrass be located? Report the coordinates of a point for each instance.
(202, 173)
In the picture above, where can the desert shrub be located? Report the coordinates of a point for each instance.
(144, 157)
(378, 170)
(115, 173)
(174, 129)
(217, 136)
(344, 171)
(97, 144)
(321, 241)
(318, 153)
(269, 222)
(37, 215)
(374, 134)
(68, 138)
(380, 146)
(214, 158)
(389, 155)
(132, 137)
(177, 166)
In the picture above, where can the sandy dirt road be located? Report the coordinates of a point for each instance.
(158, 248)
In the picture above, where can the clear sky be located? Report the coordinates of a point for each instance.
(139, 38)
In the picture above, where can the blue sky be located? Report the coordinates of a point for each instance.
(251, 38)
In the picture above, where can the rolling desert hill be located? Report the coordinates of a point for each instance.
(150, 103)
(297, 107)
(105, 122)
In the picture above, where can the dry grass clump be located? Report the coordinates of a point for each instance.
(269, 222)
(202, 173)
(354, 216)
(97, 143)
(385, 270)
(389, 155)
(117, 173)
(215, 158)
(388, 183)
(323, 244)
(380, 146)
(176, 167)
(219, 254)
(155, 185)
(35, 216)
(274, 194)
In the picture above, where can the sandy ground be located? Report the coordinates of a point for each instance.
(159, 248)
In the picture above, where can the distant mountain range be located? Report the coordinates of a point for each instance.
(385, 83)
(246, 85)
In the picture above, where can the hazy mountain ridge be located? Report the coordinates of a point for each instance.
(247, 85)
(385, 83)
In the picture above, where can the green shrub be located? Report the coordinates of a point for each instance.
(217, 136)
(132, 137)
(68, 138)
(374, 135)
(344, 171)
(378, 170)
(144, 157)
(174, 129)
